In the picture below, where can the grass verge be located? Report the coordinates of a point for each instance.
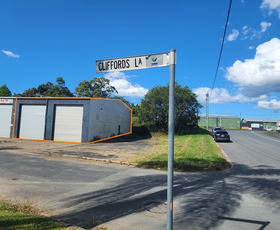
(15, 216)
(192, 152)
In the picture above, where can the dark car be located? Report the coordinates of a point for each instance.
(214, 130)
(221, 135)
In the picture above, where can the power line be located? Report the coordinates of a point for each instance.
(222, 46)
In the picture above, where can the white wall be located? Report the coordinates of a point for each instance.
(105, 118)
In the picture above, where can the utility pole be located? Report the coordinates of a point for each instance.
(207, 111)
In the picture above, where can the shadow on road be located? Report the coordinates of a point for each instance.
(203, 198)
(262, 223)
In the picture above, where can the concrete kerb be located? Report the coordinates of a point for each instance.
(107, 161)
(225, 155)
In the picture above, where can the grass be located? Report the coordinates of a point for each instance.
(193, 152)
(15, 216)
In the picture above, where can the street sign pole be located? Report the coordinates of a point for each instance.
(152, 61)
(171, 139)
(207, 111)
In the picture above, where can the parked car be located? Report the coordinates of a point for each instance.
(221, 135)
(214, 130)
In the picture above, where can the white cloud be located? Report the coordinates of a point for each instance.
(251, 33)
(245, 27)
(260, 75)
(123, 86)
(271, 5)
(264, 26)
(10, 54)
(233, 35)
(272, 105)
(251, 47)
(222, 96)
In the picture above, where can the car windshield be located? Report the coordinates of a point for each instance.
(216, 129)
(222, 131)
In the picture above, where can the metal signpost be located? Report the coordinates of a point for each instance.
(153, 61)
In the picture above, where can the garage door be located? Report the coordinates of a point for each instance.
(32, 122)
(5, 120)
(68, 123)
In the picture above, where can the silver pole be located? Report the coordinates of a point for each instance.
(171, 139)
(207, 111)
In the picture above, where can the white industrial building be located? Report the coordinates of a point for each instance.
(80, 120)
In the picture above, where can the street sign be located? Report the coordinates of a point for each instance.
(6, 101)
(132, 63)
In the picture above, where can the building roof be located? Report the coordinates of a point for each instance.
(219, 116)
(260, 120)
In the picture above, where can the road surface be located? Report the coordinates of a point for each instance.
(83, 193)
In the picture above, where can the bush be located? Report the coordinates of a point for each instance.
(155, 105)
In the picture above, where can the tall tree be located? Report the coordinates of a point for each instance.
(97, 87)
(60, 81)
(154, 109)
(4, 91)
(49, 90)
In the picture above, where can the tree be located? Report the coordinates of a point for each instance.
(136, 108)
(49, 90)
(128, 103)
(60, 81)
(4, 91)
(154, 109)
(97, 87)
(32, 92)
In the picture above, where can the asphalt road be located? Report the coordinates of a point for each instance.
(245, 197)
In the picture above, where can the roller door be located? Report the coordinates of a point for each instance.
(5, 120)
(32, 122)
(68, 123)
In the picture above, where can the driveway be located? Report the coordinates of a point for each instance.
(116, 150)
(84, 193)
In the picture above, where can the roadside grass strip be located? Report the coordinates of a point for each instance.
(15, 216)
(192, 152)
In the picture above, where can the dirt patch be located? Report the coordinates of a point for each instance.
(114, 151)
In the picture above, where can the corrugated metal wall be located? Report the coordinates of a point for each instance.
(227, 123)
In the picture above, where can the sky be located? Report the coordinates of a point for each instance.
(41, 40)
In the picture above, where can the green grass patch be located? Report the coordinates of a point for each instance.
(15, 216)
(193, 152)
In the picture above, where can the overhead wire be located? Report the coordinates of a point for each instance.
(222, 46)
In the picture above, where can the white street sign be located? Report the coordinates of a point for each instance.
(6, 101)
(132, 63)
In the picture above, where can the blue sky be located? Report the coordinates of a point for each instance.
(41, 40)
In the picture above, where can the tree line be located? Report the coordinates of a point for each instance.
(151, 113)
(97, 87)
